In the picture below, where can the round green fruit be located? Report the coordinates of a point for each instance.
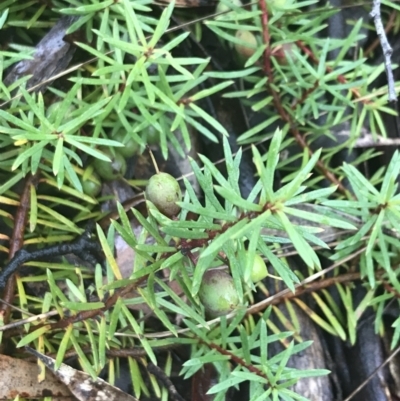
(110, 170)
(130, 145)
(279, 5)
(283, 53)
(217, 293)
(54, 109)
(92, 185)
(164, 191)
(248, 49)
(259, 270)
(151, 135)
(222, 7)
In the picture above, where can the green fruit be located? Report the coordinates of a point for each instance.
(92, 185)
(151, 135)
(130, 145)
(259, 270)
(283, 53)
(110, 170)
(54, 109)
(250, 43)
(279, 5)
(222, 7)
(217, 293)
(164, 191)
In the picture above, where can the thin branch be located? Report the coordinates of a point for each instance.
(84, 246)
(390, 24)
(340, 78)
(236, 359)
(165, 380)
(372, 375)
(386, 48)
(369, 140)
(16, 243)
(260, 306)
(278, 105)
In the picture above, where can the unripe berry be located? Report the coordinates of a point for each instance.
(283, 53)
(222, 7)
(164, 191)
(250, 41)
(131, 146)
(151, 135)
(54, 109)
(279, 5)
(259, 270)
(92, 185)
(110, 170)
(217, 293)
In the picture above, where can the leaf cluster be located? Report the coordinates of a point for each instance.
(133, 79)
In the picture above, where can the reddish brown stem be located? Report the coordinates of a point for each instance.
(266, 39)
(278, 104)
(390, 289)
(317, 286)
(90, 314)
(236, 359)
(304, 96)
(340, 78)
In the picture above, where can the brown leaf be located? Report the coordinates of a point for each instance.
(52, 55)
(19, 377)
(81, 385)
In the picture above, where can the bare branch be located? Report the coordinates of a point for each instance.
(387, 49)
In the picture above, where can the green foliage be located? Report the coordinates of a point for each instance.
(134, 82)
